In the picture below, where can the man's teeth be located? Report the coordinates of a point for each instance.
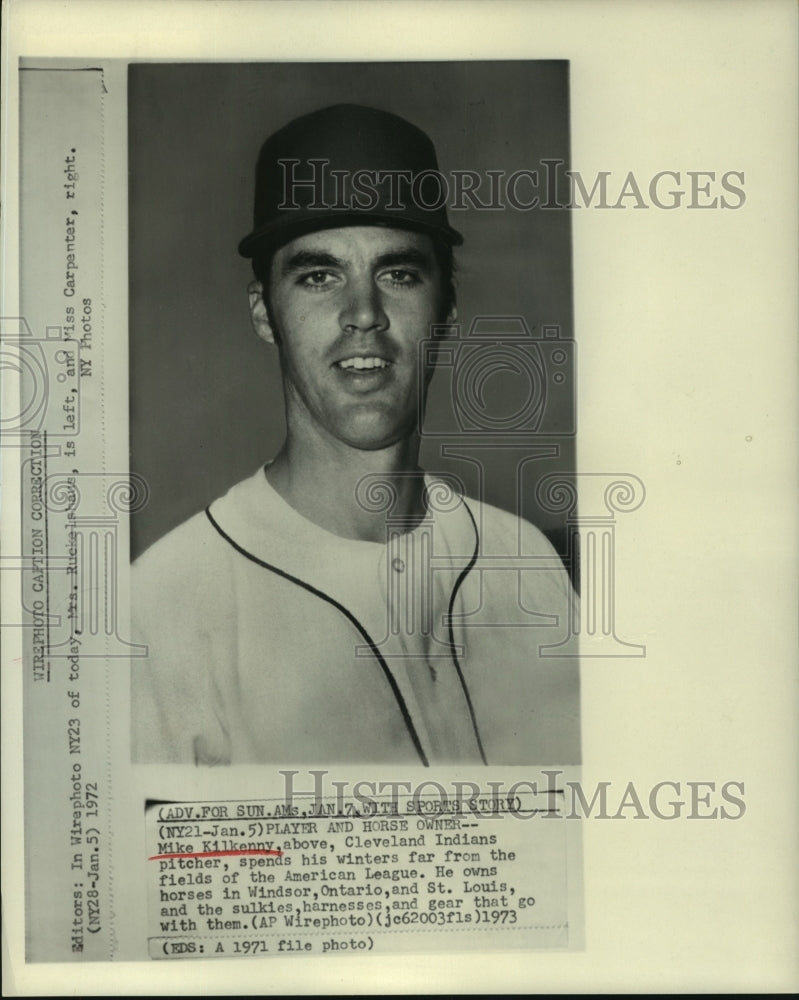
(361, 363)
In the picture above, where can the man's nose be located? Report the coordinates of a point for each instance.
(363, 309)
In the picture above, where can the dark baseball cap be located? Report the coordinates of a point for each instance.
(347, 165)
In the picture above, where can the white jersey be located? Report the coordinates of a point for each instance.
(272, 640)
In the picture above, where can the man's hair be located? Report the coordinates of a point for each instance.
(262, 267)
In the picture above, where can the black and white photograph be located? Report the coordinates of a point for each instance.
(398, 572)
(379, 588)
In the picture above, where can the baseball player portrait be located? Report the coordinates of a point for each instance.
(341, 604)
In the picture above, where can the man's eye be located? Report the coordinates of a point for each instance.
(317, 279)
(402, 276)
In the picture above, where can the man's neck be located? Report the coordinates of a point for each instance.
(349, 492)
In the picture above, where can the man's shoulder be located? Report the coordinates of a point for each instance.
(187, 541)
(194, 540)
(186, 573)
(505, 539)
(188, 563)
(499, 524)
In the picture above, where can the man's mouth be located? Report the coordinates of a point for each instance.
(366, 362)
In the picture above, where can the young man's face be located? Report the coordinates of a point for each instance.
(348, 308)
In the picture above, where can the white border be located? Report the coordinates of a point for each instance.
(687, 331)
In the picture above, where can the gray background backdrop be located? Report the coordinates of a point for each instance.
(205, 395)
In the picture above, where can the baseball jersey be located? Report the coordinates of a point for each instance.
(272, 640)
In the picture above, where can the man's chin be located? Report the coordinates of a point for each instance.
(373, 444)
(376, 438)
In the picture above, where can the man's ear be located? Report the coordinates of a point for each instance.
(258, 314)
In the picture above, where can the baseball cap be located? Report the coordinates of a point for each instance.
(346, 165)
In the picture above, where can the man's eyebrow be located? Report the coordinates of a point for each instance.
(404, 255)
(305, 259)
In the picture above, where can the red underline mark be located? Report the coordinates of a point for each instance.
(213, 854)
